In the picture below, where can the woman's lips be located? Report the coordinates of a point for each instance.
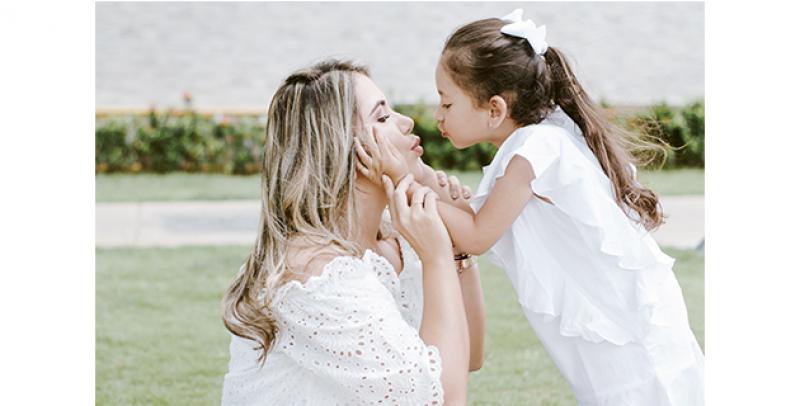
(416, 147)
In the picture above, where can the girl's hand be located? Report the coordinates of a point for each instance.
(378, 156)
(456, 190)
(417, 219)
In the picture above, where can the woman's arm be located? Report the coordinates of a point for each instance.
(372, 370)
(476, 233)
(472, 293)
(444, 320)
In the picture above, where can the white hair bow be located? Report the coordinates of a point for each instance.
(525, 29)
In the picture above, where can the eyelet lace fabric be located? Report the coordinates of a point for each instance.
(346, 337)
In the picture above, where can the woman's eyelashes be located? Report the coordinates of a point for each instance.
(446, 106)
(383, 118)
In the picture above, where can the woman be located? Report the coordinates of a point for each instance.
(331, 306)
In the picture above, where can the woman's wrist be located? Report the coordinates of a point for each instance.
(437, 258)
(440, 262)
(464, 262)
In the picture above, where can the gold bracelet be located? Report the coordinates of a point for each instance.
(464, 261)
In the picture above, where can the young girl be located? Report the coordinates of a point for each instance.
(560, 210)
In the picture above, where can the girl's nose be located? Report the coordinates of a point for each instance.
(437, 115)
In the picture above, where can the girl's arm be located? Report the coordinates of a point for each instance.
(377, 156)
(476, 233)
(428, 178)
(472, 294)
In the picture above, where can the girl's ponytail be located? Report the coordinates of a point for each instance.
(609, 143)
(485, 62)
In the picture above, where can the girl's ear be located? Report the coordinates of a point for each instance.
(498, 110)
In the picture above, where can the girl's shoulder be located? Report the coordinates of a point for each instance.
(540, 146)
(533, 142)
(545, 131)
(555, 128)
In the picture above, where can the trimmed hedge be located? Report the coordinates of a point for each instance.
(188, 141)
(178, 141)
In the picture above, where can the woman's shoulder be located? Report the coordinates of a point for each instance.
(334, 285)
(306, 262)
(309, 265)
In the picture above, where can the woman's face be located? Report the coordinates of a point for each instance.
(376, 112)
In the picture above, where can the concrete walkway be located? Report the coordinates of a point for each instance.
(234, 222)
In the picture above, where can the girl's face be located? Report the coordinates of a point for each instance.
(459, 121)
(375, 111)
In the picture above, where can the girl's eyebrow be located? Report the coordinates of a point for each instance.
(378, 104)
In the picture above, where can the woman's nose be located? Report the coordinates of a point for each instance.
(406, 124)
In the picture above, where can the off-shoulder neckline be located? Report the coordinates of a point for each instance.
(327, 272)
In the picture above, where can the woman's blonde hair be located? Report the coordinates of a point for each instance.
(307, 186)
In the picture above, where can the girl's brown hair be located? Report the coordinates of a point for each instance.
(307, 186)
(485, 62)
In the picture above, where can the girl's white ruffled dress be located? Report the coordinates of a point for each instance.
(593, 283)
(347, 337)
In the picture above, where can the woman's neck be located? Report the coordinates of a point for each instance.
(370, 201)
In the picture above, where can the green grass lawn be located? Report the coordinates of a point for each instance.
(160, 339)
(185, 186)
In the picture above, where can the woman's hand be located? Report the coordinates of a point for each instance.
(444, 318)
(454, 186)
(378, 156)
(417, 219)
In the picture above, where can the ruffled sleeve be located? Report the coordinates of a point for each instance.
(581, 190)
(345, 327)
(593, 267)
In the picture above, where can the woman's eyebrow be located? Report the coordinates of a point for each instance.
(378, 104)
